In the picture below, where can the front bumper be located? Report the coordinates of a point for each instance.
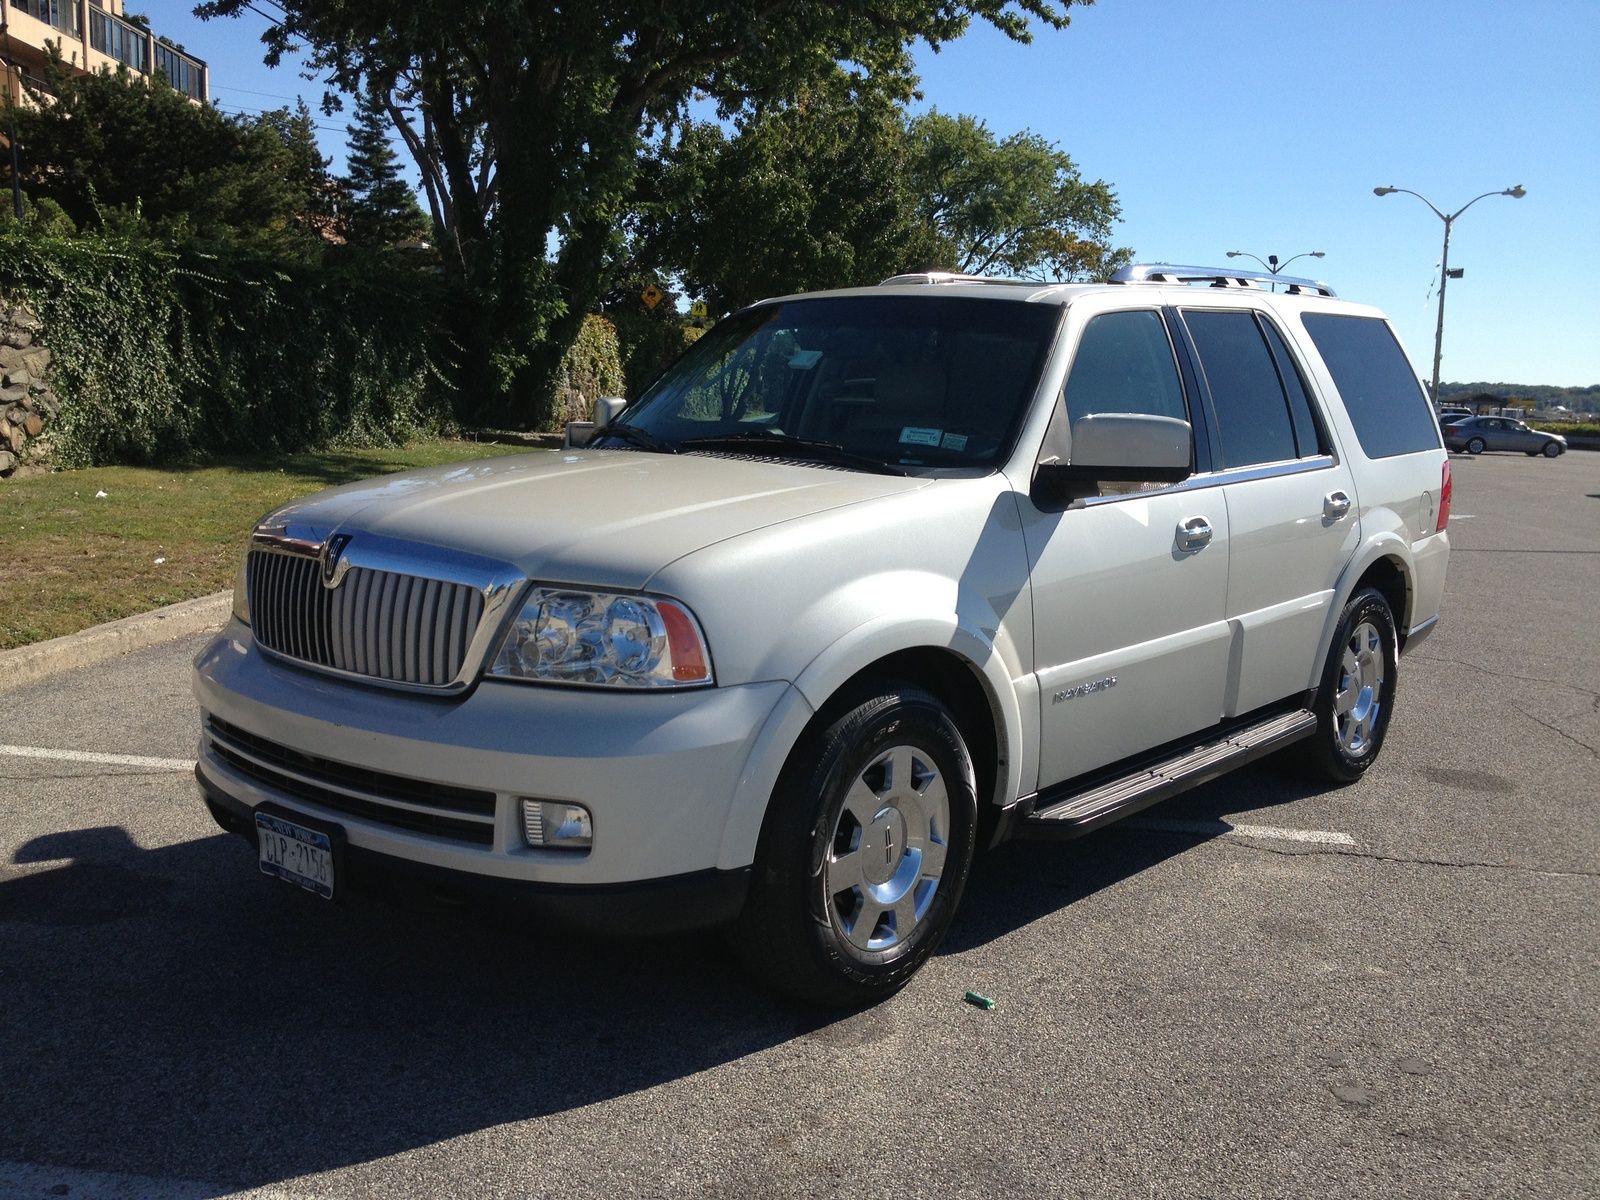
(664, 775)
(651, 907)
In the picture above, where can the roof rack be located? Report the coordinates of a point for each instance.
(1221, 277)
(956, 277)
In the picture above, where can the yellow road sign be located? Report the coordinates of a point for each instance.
(652, 295)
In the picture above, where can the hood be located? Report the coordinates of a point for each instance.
(608, 518)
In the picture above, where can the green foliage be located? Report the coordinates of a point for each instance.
(381, 208)
(1535, 395)
(590, 369)
(817, 191)
(526, 119)
(648, 338)
(161, 356)
(129, 153)
(1010, 206)
(843, 188)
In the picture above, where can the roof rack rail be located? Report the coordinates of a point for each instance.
(1222, 277)
(957, 277)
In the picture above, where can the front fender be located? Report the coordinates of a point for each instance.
(982, 650)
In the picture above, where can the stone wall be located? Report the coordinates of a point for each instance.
(27, 402)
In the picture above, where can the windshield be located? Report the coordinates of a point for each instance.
(901, 381)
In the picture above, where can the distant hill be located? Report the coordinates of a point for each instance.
(1530, 395)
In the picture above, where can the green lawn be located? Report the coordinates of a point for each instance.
(70, 559)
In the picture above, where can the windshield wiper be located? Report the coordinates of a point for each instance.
(640, 437)
(784, 445)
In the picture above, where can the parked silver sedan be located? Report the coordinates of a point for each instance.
(1477, 434)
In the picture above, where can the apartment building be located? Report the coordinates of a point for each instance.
(91, 34)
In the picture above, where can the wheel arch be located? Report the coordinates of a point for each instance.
(1385, 564)
(980, 697)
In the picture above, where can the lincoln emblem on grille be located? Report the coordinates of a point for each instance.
(334, 564)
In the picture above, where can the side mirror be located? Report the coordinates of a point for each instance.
(1117, 448)
(606, 410)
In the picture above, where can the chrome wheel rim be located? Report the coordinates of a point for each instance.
(888, 850)
(1358, 700)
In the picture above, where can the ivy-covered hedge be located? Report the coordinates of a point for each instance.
(590, 369)
(161, 355)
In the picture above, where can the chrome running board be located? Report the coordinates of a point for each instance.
(1068, 813)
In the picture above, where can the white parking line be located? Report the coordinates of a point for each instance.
(1218, 828)
(110, 760)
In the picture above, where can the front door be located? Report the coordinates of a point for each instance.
(1130, 636)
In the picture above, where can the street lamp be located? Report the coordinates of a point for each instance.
(1272, 264)
(1516, 193)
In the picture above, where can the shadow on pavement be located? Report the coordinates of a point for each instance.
(167, 1012)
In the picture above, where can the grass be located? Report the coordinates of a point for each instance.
(70, 559)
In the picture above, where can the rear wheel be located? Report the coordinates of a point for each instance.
(1552, 449)
(866, 853)
(1356, 696)
(1476, 446)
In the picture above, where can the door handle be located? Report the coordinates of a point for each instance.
(1193, 534)
(1335, 505)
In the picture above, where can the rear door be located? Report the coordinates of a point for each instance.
(1291, 503)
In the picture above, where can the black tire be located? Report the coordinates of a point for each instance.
(1476, 446)
(1552, 450)
(1345, 744)
(792, 933)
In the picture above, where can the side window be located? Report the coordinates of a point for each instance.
(1380, 391)
(1308, 437)
(1252, 411)
(1124, 364)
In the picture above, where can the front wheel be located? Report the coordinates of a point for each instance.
(866, 852)
(1552, 449)
(1356, 696)
(1476, 446)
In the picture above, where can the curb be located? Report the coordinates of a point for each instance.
(29, 664)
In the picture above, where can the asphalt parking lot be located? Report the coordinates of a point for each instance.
(1402, 1005)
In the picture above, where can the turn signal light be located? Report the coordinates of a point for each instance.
(1444, 499)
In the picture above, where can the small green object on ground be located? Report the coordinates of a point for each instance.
(979, 1000)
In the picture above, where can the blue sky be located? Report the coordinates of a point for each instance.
(1263, 125)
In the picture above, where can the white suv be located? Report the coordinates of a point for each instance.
(866, 579)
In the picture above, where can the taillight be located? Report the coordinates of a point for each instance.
(1444, 499)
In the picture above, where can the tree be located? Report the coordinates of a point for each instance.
(810, 194)
(843, 188)
(381, 208)
(1013, 206)
(525, 120)
(133, 151)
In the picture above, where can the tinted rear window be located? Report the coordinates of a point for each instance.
(1387, 406)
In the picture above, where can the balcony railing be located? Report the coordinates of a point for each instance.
(60, 14)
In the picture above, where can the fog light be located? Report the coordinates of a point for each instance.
(552, 825)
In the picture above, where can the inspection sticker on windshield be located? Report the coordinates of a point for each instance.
(953, 441)
(912, 436)
(804, 360)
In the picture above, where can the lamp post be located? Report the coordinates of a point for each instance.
(1272, 264)
(1516, 193)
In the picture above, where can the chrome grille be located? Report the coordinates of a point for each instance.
(381, 624)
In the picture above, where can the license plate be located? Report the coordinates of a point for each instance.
(295, 853)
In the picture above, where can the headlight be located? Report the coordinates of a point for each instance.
(241, 590)
(604, 639)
